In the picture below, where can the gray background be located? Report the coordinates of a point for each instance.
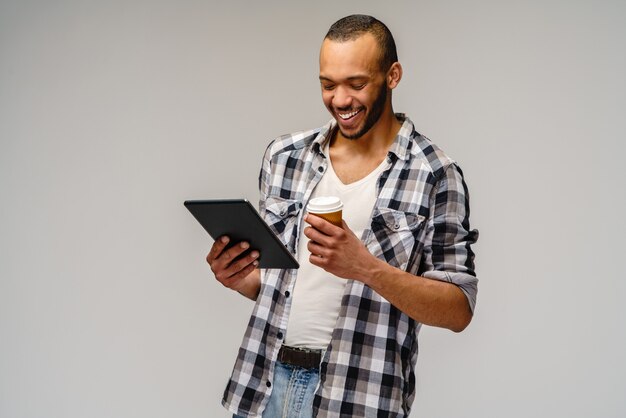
(113, 113)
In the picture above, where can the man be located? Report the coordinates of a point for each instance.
(338, 337)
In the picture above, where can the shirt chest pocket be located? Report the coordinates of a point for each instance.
(395, 236)
(282, 217)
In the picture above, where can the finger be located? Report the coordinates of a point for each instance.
(223, 260)
(317, 260)
(247, 263)
(317, 249)
(321, 224)
(242, 263)
(234, 282)
(314, 235)
(233, 252)
(220, 265)
(217, 248)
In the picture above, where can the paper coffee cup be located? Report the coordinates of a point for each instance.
(327, 207)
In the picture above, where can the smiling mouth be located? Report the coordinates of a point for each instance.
(346, 116)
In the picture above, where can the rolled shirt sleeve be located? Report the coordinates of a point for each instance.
(448, 238)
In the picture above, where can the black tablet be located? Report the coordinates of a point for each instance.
(238, 219)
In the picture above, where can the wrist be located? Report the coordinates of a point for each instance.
(251, 285)
(374, 270)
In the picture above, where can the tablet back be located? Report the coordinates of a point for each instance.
(238, 219)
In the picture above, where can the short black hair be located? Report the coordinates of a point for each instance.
(351, 27)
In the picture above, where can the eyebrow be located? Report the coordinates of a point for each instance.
(351, 78)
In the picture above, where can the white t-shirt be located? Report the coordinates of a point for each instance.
(317, 294)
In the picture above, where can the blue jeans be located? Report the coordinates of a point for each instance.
(292, 393)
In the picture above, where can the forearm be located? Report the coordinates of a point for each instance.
(431, 302)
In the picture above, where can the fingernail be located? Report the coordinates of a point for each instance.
(224, 240)
(254, 254)
(244, 245)
(255, 263)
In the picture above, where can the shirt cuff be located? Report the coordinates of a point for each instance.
(466, 282)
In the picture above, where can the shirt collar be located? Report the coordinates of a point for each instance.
(323, 136)
(401, 147)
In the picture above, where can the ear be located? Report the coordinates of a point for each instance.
(394, 75)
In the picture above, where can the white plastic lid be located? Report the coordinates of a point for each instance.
(324, 204)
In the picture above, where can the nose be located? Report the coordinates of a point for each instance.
(342, 98)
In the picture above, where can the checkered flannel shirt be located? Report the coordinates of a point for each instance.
(419, 223)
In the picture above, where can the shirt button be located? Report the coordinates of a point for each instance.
(268, 384)
(396, 226)
(279, 335)
(320, 169)
(287, 293)
(300, 205)
(283, 213)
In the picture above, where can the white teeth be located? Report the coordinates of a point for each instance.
(348, 115)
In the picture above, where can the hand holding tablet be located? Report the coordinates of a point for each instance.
(238, 220)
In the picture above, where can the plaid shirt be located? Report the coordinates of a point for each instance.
(419, 223)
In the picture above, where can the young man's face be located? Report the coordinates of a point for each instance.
(354, 88)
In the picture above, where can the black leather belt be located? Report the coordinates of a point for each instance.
(301, 357)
